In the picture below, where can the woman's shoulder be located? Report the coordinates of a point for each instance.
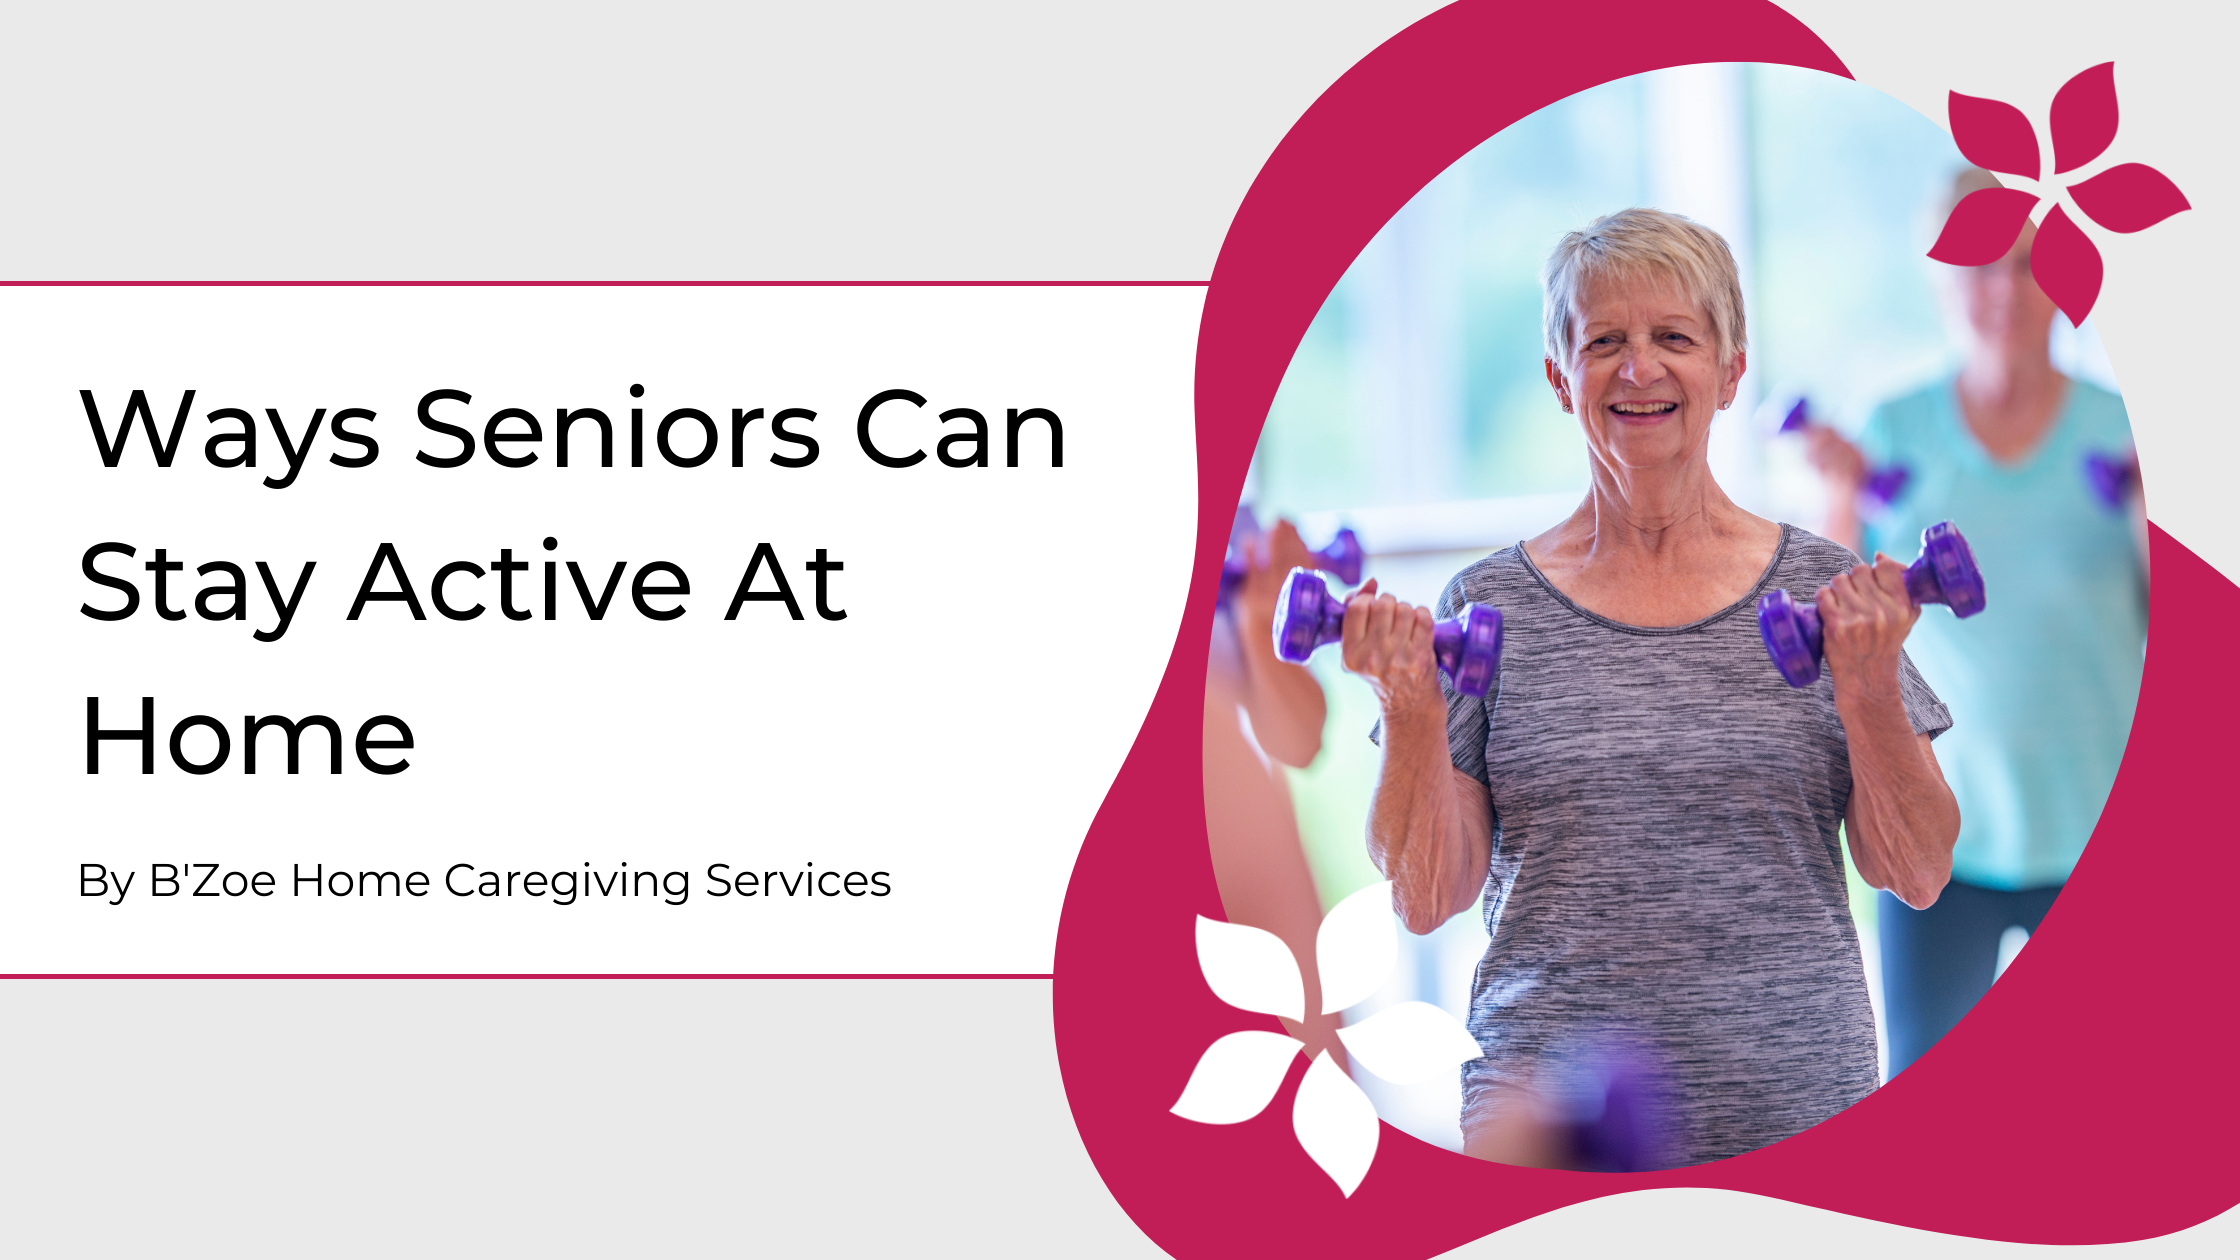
(2101, 410)
(1807, 558)
(1494, 580)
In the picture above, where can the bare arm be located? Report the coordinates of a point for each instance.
(1902, 820)
(1283, 700)
(1430, 825)
(1843, 469)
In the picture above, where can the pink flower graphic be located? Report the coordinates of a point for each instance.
(1995, 136)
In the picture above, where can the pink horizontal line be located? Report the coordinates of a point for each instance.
(520, 975)
(611, 284)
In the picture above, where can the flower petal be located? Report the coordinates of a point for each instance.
(1983, 227)
(2066, 265)
(2084, 117)
(2129, 198)
(1356, 947)
(1236, 1077)
(1250, 969)
(1409, 1043)
(1993, 134)
(1336, 1123)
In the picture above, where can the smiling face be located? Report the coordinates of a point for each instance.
(1645, 376)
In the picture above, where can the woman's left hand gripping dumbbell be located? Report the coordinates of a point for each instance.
(1865, 615)
(1388, 642)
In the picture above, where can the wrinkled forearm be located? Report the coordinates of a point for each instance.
(1903, 820)
(1430, 826)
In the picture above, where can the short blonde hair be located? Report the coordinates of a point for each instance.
(1643, 244)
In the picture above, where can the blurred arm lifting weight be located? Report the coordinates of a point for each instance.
(1283, 700)
(1259, 865)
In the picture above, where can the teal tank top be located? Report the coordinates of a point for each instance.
(2041, 685)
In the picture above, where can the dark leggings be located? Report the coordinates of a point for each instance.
(1936, 963)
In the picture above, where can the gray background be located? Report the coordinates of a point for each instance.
(867, 141)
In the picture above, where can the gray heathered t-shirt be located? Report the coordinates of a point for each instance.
(1665, 867)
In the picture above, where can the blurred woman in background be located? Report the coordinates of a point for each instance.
(2043, 683)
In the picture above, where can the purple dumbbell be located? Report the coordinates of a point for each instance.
(1343, 557)
(2113, 478)
(1467, 647)
(1945, 574)
(1883, 485)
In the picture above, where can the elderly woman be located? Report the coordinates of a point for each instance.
(2048, 676)
(1650, 813)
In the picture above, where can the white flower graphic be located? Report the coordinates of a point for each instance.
(1354, 951)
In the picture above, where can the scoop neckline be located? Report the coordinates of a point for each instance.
(1765, 579)
(1974, 453)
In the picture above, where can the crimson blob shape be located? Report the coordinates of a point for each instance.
(2067, 265)
(1982, 227)
(2084, 117)
(1994, 135)
(2129, 197)
(2124, 976)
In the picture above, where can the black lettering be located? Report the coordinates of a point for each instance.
(112, 450)
(286, 608)
(295, 454)
(163, 566)
(598, 611)
(821, 566)
(562, 419)
(807, 444)
(637, 429)
(505, 566)
(978, 438)
(238, 590)
(367, 595)
(435, 590)
(131, 592)
(739, 422)
(763, 554)
(368, 745)
(179, 740)
(493, 440)
(1015, 418)
(710, 439)
(246, 439)
(464, 438)
(252, 726)
(639, 591)
(372, 448)
(863, 428)
(551, 583)
(146, 734)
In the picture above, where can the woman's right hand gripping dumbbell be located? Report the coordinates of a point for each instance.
(1388, 642)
